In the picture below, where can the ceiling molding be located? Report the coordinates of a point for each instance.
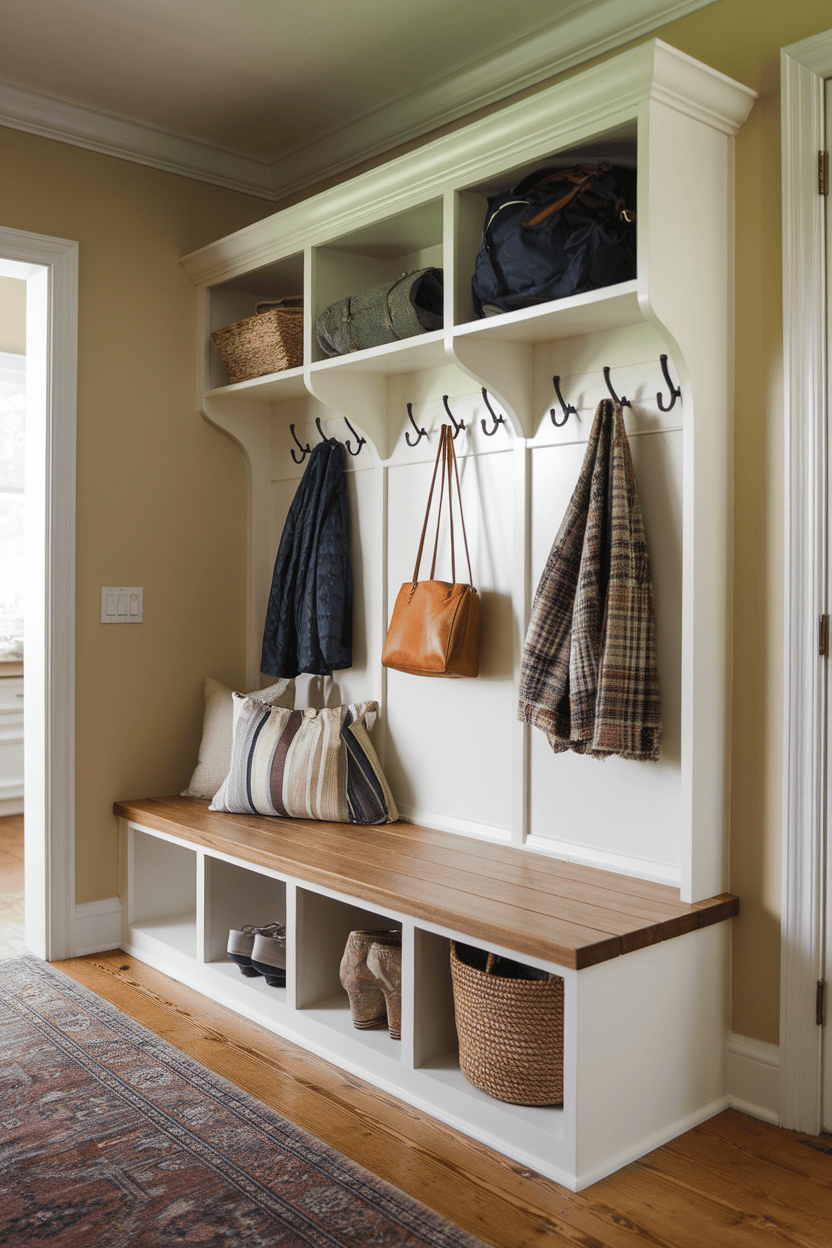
(578, 36)
(136, 141)
(589, 29)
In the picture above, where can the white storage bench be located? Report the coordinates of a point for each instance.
(644, 974)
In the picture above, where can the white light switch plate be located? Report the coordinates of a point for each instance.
(121, 604)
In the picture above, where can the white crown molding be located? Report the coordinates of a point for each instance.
(542, 122)
(135, 141)
(589, 29)
(578, 36)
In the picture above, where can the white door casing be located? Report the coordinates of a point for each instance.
(50, 269)
(803, 69)
(826, 1051)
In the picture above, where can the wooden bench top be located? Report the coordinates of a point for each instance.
(559, 911)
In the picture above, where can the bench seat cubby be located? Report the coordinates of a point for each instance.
(643, 972)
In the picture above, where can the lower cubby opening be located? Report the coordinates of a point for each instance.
(237, 897)
(436, 1046)
(163, 897)
(323, 926)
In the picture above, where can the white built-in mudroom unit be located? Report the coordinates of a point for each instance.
(610, 874)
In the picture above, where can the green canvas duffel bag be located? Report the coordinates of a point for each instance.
(410, 305)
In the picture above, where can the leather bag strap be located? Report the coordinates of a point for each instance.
(446, 454)
(440, 450)
(452, 460)
(439, 512)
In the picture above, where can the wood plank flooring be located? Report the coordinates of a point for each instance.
(733, 1182)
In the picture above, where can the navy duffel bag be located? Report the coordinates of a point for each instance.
(559, 232)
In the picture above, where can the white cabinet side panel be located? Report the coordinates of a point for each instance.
(652, 1035)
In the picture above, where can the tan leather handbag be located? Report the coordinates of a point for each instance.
(435, 625)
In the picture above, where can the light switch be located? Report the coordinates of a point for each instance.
(121, 604)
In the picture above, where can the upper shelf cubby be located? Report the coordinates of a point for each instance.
(652, 109)
(617, 147)
(373, 255)
(237, 298)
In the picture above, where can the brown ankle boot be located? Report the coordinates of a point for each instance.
(384, 962)
(367, 1001)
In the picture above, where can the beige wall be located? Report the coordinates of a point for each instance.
(161, 493)
(12, 315)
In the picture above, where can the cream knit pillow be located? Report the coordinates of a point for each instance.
(217, 730)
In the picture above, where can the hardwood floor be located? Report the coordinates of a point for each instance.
(11, 886)
(733, 1182)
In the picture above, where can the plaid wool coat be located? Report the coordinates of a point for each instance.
(589, 678)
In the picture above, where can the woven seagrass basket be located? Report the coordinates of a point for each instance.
(510, 1029)
(268, 342)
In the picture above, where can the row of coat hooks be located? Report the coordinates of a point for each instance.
(568, 409)
(458, 425)
(307, 450)
(422, 433)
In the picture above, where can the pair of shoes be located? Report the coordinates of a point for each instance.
(371, 973)
(260, 951)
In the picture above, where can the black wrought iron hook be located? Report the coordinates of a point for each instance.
(456, 424)
(567, 408)
(421, 433)
(361, 440)
(498, 420)
(324, 438)
(306, 450)
(675, 392)
(622, 402)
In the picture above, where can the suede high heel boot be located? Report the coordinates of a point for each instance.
(384, 962)
(367, 1003)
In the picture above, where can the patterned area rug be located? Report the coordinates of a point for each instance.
(110, 1137)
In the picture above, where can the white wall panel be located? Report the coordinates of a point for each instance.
(448, 756)
(617, 808)
(362, 680)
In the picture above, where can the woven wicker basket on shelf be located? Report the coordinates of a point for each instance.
(268, 342)
(510, 1029)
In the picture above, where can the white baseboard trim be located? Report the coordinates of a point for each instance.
(11, 805)
(450, 823)
(622, 864)
(753, 1077)
(97, 926)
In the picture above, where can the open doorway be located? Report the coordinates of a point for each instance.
(49, 269)
(12, 544)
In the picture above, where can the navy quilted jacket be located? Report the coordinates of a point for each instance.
(309, 617)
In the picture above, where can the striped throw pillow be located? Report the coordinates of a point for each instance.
(311, 764)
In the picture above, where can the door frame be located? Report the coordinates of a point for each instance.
(50, 269)
(804, 66)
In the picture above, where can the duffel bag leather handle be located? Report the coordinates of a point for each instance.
(562, 202)
(567, 173)
(281, 303)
